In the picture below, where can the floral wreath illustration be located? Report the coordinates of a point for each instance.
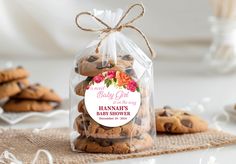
(116, 78)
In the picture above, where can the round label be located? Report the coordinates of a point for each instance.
(112, 98)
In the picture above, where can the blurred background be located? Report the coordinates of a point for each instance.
(46, 29)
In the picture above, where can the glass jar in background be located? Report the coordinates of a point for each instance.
(221, 56)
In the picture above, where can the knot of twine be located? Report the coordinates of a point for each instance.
(118, 27)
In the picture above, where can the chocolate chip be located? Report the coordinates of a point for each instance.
(91, 139)
(138, 121)
(37, 84)
(166, 107)
(104, 64)
(186, 114)
(20, 85)
(165, 114)
(127, 57)
(81, 126)
(76, 69)
(130, 71)
(51, 90)
(19, 67)
(33, 88)
(84, 125)
(92, 58)
(87, 123)
(105, 143)
(187, 123)
(80, 116)
(168, 127)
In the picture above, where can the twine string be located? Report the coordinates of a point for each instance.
(118, 27)
(127, 12)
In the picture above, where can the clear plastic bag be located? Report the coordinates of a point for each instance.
(111, 93)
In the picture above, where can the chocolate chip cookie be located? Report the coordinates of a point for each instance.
(28, 105)
(87, 126)
(176, 121)
(38, 92)
(120, 146)
(81, 87)
(94, 64)
(13, 74)
(13, 87)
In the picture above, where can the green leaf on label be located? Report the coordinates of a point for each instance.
(108, 82)
(137, 89)
(115, 80)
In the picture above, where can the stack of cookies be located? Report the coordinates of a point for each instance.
(35, 98)
(95, 138)
(22, 96)
(12, 81)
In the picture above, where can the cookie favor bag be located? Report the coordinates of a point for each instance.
(111, 89)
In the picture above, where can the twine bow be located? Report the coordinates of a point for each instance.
(118, 27)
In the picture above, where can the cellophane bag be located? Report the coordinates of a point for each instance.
(111, 93)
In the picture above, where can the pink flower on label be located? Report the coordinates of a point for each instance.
(98, 78)
(111, 74)
(87, 87)
(132, 86)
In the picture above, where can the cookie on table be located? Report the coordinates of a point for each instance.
(13, 87)
(94, 65)
(13, 74)
(95, 145)
(13, 105)
(38, 92)
(176, 121)
(87, 126)
(81, 87)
